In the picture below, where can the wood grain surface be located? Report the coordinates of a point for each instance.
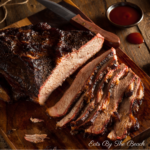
(95, 10)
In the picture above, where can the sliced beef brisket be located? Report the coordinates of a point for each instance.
(112, 63)
(119, 72)
(95, 98)
(88, 117)
(116, 95)
(80, 83)
(85, 117)
(127, 119)
(112, 76)
(92, 101)
(43, 57)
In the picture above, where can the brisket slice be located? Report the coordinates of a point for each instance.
(116, 96)
(114, 76)
(73, 113)
(127, 120)
(84, 76)
(43, 57)
(90, 93)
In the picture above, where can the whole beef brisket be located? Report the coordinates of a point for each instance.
(36, 59)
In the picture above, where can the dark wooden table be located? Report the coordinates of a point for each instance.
(95, 10)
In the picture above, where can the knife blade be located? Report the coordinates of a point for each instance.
(111, 39)
(58, 9)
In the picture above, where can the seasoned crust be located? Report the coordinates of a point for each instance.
(33, 52)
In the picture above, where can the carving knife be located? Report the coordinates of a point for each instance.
(111, 39)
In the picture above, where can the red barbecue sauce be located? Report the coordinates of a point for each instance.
(135, 38)
(124, 15)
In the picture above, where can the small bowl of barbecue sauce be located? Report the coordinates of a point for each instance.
(124, 14)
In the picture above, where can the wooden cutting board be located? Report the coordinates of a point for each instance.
(15, 118)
